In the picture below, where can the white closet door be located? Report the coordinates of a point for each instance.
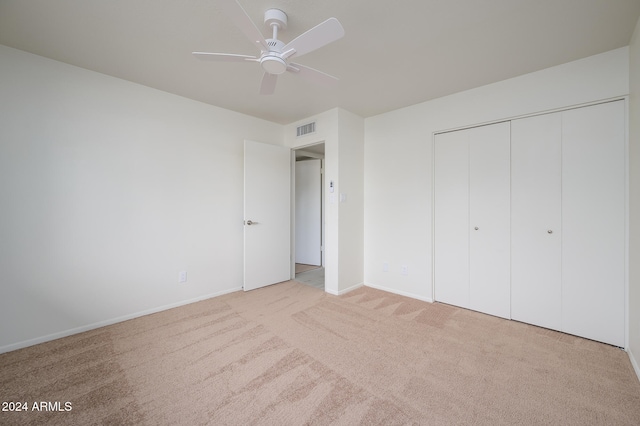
(452, 218)
(489, 218)
(593, 173)
(536, 220)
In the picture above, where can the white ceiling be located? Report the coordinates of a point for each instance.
(394, 53)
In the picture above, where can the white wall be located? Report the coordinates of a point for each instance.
(634, 201)
(108, 189)
(398, 157)
(351, 186)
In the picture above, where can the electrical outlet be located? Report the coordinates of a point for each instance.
(404, 270)
(182, 277)
(385, 266)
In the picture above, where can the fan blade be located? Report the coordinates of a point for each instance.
(318, 36)
(312, 74)
(268, 84)
(223, 57)
(239, 17)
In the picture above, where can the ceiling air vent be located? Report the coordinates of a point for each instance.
(306, 129)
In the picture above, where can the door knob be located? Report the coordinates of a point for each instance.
(250, 222)
(549, 231)
(476, 228)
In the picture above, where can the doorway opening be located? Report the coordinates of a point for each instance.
(309, 215)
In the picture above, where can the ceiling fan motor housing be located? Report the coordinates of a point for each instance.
(272, 61)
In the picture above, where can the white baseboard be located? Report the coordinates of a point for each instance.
(401, 293)
(346, 290)
(70, 332)
(634, 363)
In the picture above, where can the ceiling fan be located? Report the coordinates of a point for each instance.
(274, 54)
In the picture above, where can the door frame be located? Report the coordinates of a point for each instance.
(303, 149)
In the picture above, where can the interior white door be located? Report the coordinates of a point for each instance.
(451, 231)
(536, 218)
(308, 212)
(489, 219)
(593, 215)
(267, 212)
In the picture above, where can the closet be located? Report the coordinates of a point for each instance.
(565, 219)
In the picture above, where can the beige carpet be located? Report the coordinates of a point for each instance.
(290, 354)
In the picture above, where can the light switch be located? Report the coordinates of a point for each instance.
(343, 198)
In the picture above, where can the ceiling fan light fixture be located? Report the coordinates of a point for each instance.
(273, 64)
